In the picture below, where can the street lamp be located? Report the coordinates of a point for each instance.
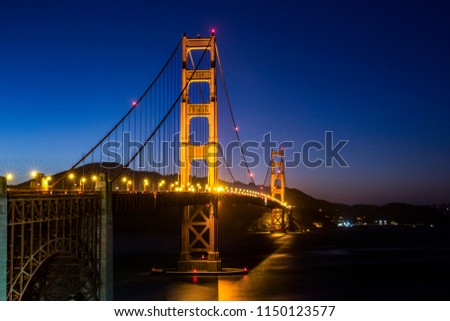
(46, 183)
(145, 184)
(94, 179)
(48, 180)
(33, 174)
(161, 184)
(71, 179)
(9, 178)
(34, 182)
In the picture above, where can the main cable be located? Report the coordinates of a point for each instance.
(232, 117)
(124, 117)
(165, 117)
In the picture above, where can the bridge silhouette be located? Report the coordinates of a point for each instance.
(177, 146)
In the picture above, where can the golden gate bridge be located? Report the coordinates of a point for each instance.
(178, 145)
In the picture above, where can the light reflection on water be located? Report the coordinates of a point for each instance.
(324, 266)
(192, 288)
(233, 288)
(256, 285)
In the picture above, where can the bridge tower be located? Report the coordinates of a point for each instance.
(277, 187)
(199, 242)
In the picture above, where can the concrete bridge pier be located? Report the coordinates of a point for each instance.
(3, 237)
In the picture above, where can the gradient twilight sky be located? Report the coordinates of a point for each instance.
(376, 73)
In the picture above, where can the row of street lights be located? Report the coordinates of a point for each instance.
(83, 181)
(128, 185)
(161, 186)
(33, 175)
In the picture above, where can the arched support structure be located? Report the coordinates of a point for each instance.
(88, 277)
(41, 226)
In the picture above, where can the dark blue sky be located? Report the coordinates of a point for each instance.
(376, 73)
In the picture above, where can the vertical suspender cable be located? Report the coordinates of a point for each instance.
(232, 116)
(165, 116)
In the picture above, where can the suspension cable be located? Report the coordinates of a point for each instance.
(167, 114)
(267, 174)
(232, 117)
(125, 116)
(203, 101)
(226, 163)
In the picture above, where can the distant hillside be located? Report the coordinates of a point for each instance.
(307, 210)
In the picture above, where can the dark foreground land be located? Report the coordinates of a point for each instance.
(366, 263)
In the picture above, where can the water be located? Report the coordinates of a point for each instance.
(379, 263)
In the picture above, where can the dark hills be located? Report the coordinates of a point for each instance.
(313, 212)
(307, 210)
